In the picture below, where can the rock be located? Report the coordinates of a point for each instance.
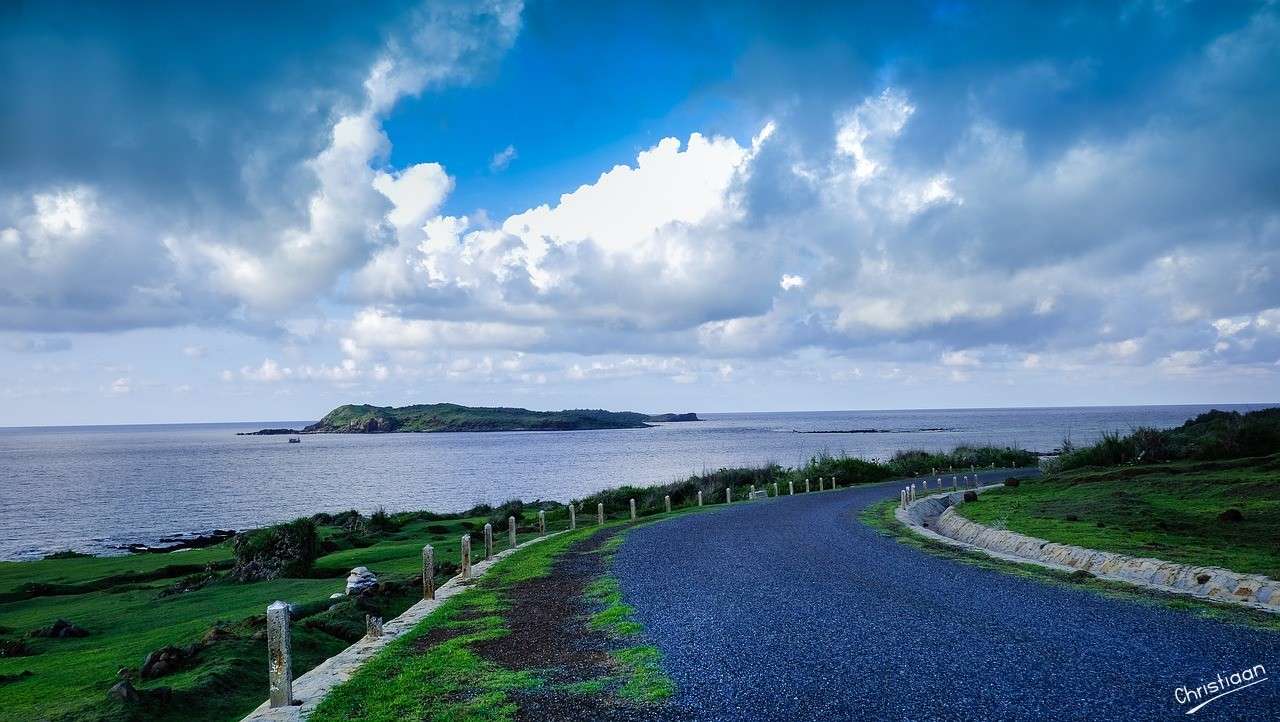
(360, 580)
(1203, 579)
(61, 629)
(1231, 516)
(1012, 481)
(971, 496)
(166, 660)
(125, 692)
(337, 595)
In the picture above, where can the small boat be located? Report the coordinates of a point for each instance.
(294, 440)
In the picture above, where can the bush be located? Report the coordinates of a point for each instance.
(509, 508)
(381, 521)
(1012, 481)
(283, 550)
(1211, 436)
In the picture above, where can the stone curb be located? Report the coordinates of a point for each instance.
(935, 518)
(311, 688)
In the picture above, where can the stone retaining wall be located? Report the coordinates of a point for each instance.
(935, 517)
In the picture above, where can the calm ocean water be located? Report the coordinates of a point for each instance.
(93, 488)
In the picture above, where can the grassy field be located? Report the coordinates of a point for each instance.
(1170, 511)
(123, 604)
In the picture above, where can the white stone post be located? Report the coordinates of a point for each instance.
(573, 518)
(775, 489)
(699, 497)
(633, 510)
(542, 521)
(511, 526)
(806, 486)
(728, 495)
(466, 556)
(791, 488)
(428, 572)
(666, 501)
(488, 541)
(600, 513)
(279, 655)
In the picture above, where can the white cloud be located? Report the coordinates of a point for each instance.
(959, 358)
(377, 330)
(195, 351)
(790, 281)
(269, 371)
(502, 159)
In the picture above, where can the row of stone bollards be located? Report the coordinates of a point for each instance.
(279, 652)
(908, 493)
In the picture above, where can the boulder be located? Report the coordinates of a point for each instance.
(1230, 516)
(61, 629)
(166, 660)
(971, 496)
(125, 692)
(360, 580)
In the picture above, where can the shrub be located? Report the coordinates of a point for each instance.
(1210, 436)
(283, 550)
(511, 507)
(1012, 481)
(381, 521)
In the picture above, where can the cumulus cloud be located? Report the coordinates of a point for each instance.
(303, 219)
(899, 225)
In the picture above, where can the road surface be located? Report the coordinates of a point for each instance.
(792, 609)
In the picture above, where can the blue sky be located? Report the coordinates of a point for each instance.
(228, 211)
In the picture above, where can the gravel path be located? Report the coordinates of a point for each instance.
(791, 609)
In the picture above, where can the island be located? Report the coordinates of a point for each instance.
(367, 419)
(668, 418)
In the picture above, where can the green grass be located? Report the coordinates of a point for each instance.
(1167, 511)
(448, 680)
(117, 599)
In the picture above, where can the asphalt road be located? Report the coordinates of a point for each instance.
(792, 609)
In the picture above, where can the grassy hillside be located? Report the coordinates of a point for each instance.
(1211, 435)
(1178, 511)
(132, 605)
(363, 418)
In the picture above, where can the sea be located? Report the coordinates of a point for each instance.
(96, 489)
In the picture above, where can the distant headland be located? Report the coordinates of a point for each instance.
(435, 418)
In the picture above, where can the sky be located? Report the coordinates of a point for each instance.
(258, 211)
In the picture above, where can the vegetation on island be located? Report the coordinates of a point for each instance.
(366, 419)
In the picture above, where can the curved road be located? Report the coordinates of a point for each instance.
(792, 609)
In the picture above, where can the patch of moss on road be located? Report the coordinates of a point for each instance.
(543, 635)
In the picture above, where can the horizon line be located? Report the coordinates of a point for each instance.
(718, 413)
